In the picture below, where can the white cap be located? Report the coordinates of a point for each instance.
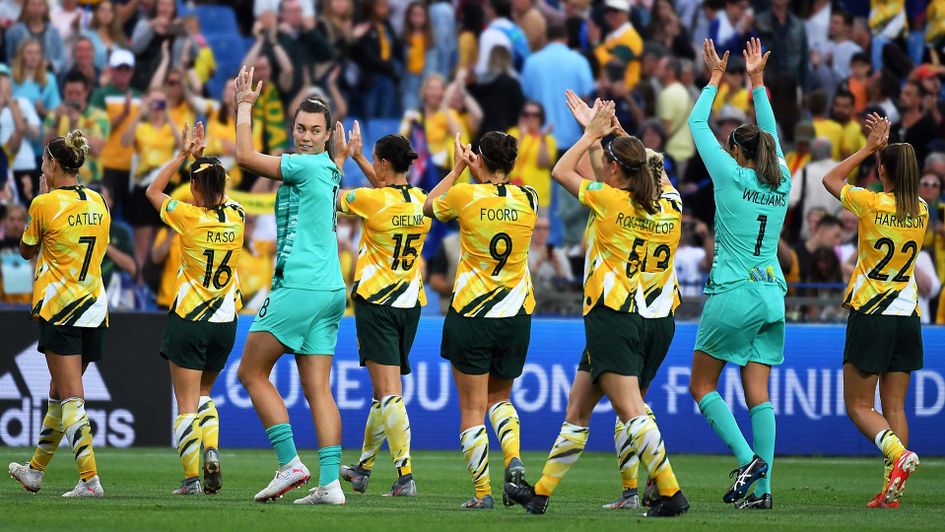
(121, 57)
(619, 5)
(728, 112)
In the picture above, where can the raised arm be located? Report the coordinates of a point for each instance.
(188, 141)
(591, 166)
(755, 63)
(356, 152)
(246, 155)
(717, 161)
(566, 170)
(461, 156)
(879, 136)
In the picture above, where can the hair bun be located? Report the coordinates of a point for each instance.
(412, 156)
(78, 143)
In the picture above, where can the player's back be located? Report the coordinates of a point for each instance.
(658, 292)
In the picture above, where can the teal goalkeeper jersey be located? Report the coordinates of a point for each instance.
(748, 215)
(306, 245)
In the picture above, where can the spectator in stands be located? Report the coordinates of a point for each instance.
(154, 139)
(887, 23)
(376, 54)
(882, 86)
(459, 99)
(928, 285)
(183, 105)
(336, 24)
(443, 21)
(529, 18)
(467, 45)
(120, 103)
(32, 80)
(611, 86)
(694, 256)
(16, 273)
(807, 191)
(165, 261)
(267, 46)
(83, 61)
(19, 128)
(826, 235)
(816, 15)
(653, 135)
(419, 53)
(701, 20)
(255, 270)
(732, 27)
(34, 24)
(916, 125)
(732, 90)
(622, 42)
(799, 157)
(498, 93)
(105, 32)
(75, 113)
(221, 134)
(929, 77)
(302, 43)
(673, 109)
(930, 190)
(67, 19)
(148, 37)
(831, 59)
(784, 35)
(853, 138)
(442, 269)
(431, 131)
(500, 31)
(119, 256)
(824, 126)
(536, 154)
(824, 269)
(549, 265)
(859, 81)
(666, 29)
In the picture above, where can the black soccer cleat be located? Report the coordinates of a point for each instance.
(526, 496)
(514, 474)
(753, 502)
(669, 506)
(745, 476)
(651, 495)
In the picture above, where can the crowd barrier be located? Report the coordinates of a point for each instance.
(129, 391)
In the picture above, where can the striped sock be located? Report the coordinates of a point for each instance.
(887, 471)
(397, 428)
(627, 461)
(647, 442)
(475, 445)
(373, 436)
(209, 421)
(889, 444)
(720, 418)
(49, 436)
(79, 432)
(283, 443)
(329, 463)
(567, 449)
(506, 425)
(187, 438)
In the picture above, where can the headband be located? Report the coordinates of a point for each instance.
(630, 167)
(734, 140)
(64, 167)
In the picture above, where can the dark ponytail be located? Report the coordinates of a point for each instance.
(759, 146)
(638, 169)
(396, 150)
(498, 151)
(902, 171)
(69, 151)
(209, 177)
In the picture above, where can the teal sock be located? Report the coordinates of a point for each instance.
(763, 432)
(722, 421)
(329, 462)
(280, 437)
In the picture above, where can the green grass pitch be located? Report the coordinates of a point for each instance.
(810, 493)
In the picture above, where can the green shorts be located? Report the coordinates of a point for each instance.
(657, 337)
(200, 345)
(880, 344)
(305, 321)
(476, 346)
(71, 340)
(385, 333)
(744, 325)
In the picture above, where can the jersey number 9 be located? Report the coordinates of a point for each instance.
(501, 256)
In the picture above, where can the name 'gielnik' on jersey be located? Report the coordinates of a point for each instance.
(495, 223)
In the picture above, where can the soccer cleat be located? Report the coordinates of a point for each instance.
(525, 495)
(669, 506)
(651, 494)
(87, 488)
(628, 500)
(745, 476)
(286, 480)
(212, 477)
(330, 494)
(357, 476)
(485, 503)
(753, 502)
(514, 474)
(403, 487)
(189, 486)
(903, 467)
(31, 479)
(879, 502)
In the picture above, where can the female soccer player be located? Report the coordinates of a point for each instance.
(302, 312)
(68, 227)
(201, 326)
(629, 232)
(884, 337)
(743, 318)
(488, 326)
(388, 293)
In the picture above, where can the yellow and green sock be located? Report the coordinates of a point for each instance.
(397, 429)
(647, 443)
(475, 444)
(373, 436)
(187, 439)
(627, 461)
(567, 449)
(507, 428)
(209, 422)
(49, 436)
(889, 444)
(79, 432)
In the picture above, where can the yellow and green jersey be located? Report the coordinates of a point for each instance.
(71, 227)
(393, 232)
(210, 245)
(495, 223)
(883, 281)
(658, 291)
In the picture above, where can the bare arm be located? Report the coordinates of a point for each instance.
(286, 71)
(879, 135)
(461, 154)
(128, 137)
(155, 192)
(123, 260)
(246, 155)
(356, 150)
(160, 73)
(565, 172)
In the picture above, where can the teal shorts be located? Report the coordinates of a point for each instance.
(305, 321)
(744, 325)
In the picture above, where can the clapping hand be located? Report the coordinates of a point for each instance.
(715, 64)
(602, 123)
(245, 93)
(878, 127)
(579, 108)
(755, 61)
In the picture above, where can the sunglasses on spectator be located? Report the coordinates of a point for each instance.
(173, 82)
(930, 184)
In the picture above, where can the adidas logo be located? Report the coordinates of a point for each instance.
(23, 403)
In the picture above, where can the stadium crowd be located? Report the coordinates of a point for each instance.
(130, 73)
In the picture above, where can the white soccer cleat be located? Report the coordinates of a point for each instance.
(87, 488)
(287, 479)
(330, 494)
(31, 479)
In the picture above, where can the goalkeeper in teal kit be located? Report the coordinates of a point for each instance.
(743, 318)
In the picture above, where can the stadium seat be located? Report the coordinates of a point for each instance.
(216, 20)
(229, 51)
